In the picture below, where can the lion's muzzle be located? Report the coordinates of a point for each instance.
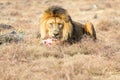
(56, 33)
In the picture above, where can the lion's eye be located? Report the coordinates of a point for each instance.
(60, 25)
(51, 24)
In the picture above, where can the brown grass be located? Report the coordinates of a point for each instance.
(85, 60)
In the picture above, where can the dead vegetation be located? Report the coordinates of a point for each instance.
(85, 60)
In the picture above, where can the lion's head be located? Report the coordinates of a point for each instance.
(56, 23)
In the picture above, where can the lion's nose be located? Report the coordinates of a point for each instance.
(56, 34)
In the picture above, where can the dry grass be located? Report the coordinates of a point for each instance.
(85, 60)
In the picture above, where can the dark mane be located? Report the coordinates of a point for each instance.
(56, 11)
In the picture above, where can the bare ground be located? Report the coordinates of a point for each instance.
(85, 60)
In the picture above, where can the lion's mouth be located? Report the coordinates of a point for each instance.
(56, 38)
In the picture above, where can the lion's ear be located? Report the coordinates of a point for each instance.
(89, 29)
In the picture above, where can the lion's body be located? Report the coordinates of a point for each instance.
(78, 31)
(57, 23)
(81, 29)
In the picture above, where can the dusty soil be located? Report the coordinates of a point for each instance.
(85, 60)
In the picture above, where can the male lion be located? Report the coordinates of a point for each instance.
(56, 27)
